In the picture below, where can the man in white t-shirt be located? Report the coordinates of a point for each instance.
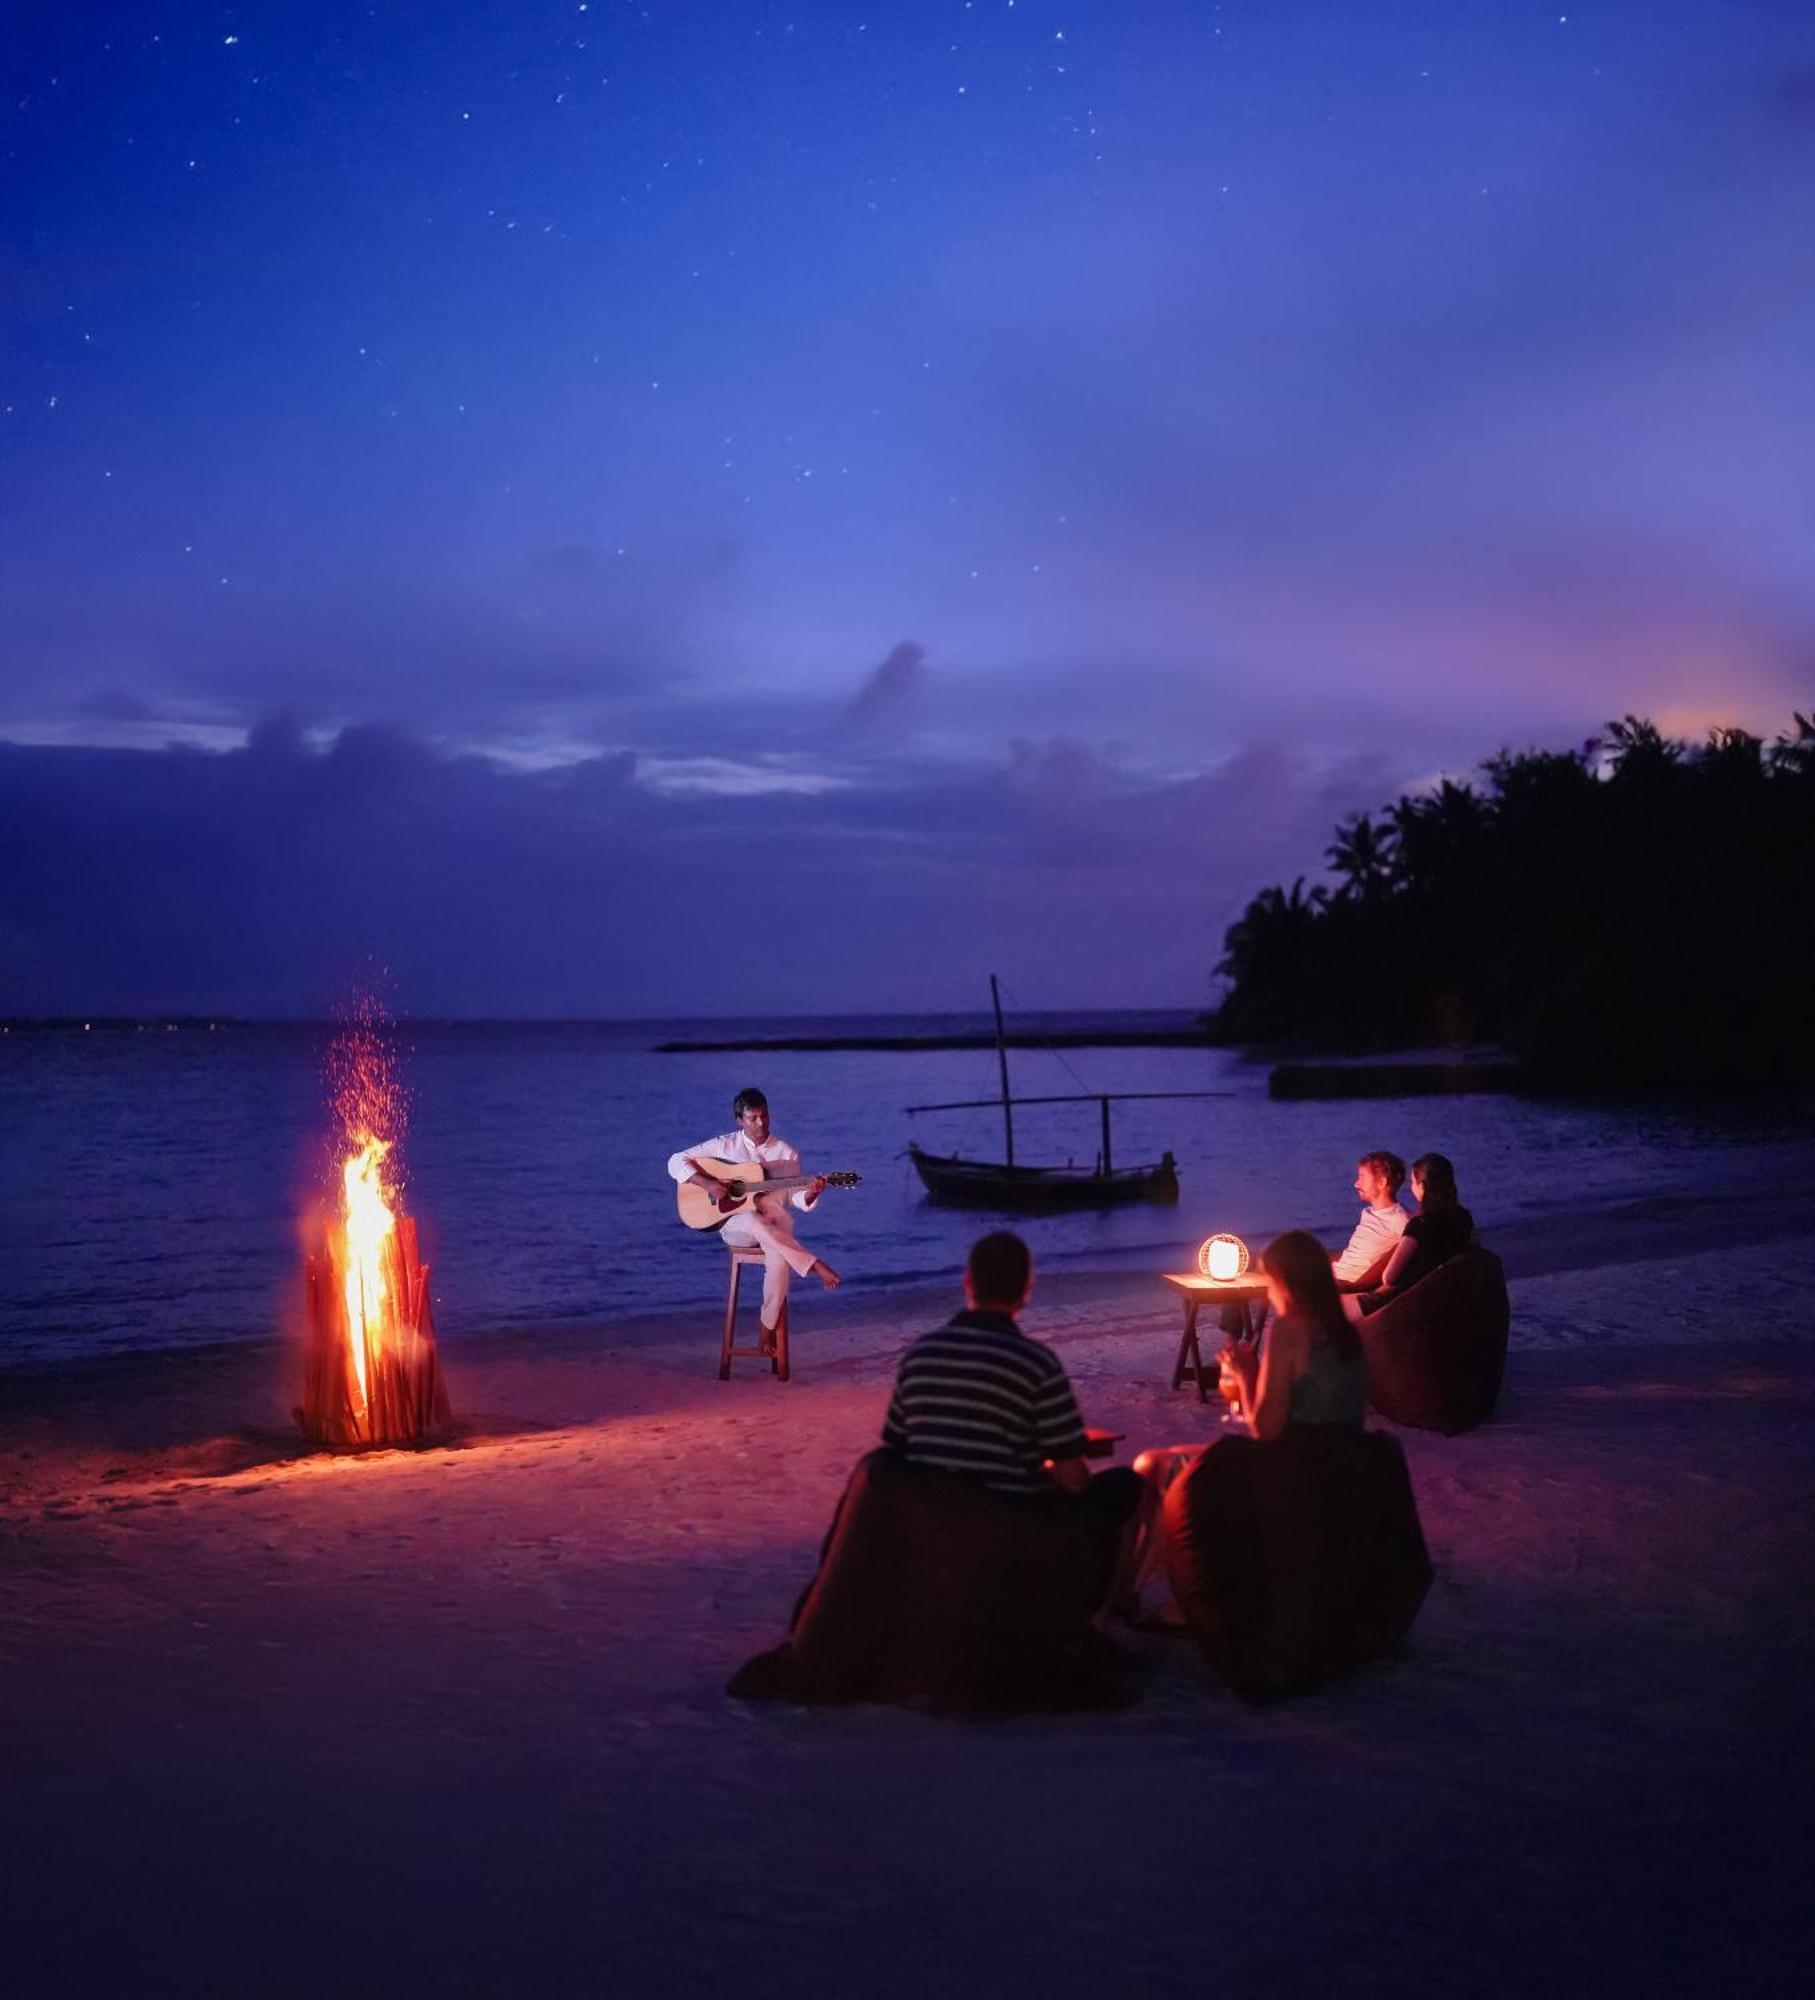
(1378, 1179)
(766, 1222)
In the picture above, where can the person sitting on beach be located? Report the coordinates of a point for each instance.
(1362, 1262)
(980, 1398)
(1309, 1369)
(766, 1222)
(1441, 1227)
(972, 1556)
(1294, 1555)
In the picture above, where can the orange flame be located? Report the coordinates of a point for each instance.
(368, 1221)
(370, 1376)
(369, 1106)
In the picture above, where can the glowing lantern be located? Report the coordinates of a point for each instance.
(1222, 1257)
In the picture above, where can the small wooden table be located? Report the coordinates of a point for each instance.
(1248, 1293)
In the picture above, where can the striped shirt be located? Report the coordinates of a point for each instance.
(979, 1397)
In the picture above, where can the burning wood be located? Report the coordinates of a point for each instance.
(371, 1376)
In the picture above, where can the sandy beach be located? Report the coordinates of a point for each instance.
(453, 1720)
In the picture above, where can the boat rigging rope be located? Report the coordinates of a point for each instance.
(1051, 1051)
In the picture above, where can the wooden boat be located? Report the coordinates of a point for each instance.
(965, 1183)
(1009, 1184)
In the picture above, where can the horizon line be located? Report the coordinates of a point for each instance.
(89, 1022)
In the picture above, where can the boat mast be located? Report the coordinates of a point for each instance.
(1008, 1116)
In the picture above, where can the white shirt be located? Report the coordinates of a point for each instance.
(779, 1160)
(1375, 1234)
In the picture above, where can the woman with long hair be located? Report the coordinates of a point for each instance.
(1309, 1370)
(1434, 1183)
(1295, 1556)
(1441, 1227)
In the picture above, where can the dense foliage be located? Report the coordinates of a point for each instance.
(1633, 913)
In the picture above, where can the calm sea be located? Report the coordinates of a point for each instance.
(151, 1182)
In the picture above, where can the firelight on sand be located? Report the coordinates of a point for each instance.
(372, 1376)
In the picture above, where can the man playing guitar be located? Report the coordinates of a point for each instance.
(764, 1222)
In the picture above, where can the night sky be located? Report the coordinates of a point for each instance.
(684, 508)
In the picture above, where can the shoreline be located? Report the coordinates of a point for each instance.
(1560, 1239)
(1656, 1278)
(1061, 1038)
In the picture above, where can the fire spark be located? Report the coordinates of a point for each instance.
(371, 1375)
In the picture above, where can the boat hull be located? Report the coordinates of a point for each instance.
(991, 1184)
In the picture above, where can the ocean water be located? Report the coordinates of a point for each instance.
(152, 1182)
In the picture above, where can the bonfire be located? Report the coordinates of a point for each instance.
(371, 1375)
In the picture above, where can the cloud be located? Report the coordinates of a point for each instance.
(115, 704)
(890, 684)
(726, 777)
(1376, 449)
(557, 652)
(262, 880)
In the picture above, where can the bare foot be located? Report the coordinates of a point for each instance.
(826, 1275)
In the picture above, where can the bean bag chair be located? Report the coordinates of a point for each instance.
(1436, 1354)
(935, 1592)
(1296, 1561)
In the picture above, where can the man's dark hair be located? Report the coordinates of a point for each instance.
(999, 1268)
(1389, 1165)
(748, 1100)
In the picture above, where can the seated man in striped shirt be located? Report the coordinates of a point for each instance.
(982, 1399)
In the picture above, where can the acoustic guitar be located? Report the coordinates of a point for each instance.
(740, 1182)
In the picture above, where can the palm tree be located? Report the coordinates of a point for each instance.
(1732, 757)
(1267, 955)
(1459, 809)
(1362, 855)
(1794, 756)
(1640, 748)
(1553, 906)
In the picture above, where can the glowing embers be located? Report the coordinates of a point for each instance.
(371, 1376)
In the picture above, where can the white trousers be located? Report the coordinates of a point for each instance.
(769, 1226)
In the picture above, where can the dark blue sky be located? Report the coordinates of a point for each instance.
(1035, 464)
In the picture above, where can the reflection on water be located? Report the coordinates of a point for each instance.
(151, 1184)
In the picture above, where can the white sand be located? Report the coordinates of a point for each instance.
(452, 1721)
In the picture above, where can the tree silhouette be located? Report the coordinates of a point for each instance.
(1362, 854)
(1639, 750)
(1794, 756)
(1631, 913)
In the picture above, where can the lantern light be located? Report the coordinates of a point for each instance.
(1222, 1257)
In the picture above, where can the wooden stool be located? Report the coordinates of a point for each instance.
(775, 1353)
